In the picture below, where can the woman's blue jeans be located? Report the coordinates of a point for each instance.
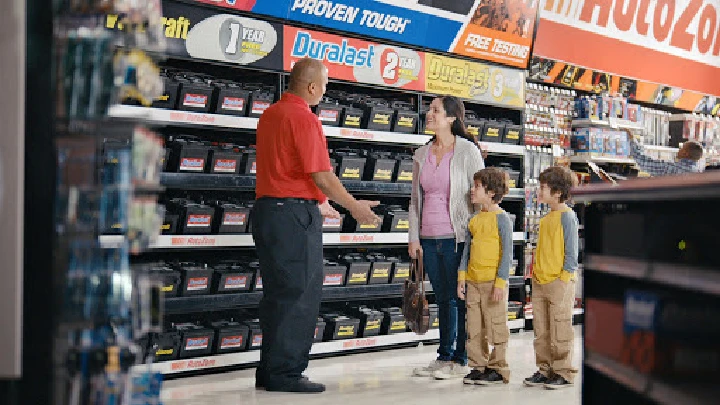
(441, 258)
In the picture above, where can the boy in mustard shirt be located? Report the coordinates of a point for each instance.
(483, 275)
(553, 284)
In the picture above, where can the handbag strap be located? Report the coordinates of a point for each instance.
(418, 268)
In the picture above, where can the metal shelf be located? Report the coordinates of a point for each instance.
(600, 159)
(659, 391)
(575, 312)
(695, 279)
(515, 194)
(183, 118)
(610, 123)
(201, 303)
(251, 357)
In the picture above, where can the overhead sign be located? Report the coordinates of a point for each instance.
(204, 34)
(356, 60)
(476, 81)
(673, 42)
(492, 30)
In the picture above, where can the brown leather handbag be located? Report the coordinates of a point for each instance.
(415, 305)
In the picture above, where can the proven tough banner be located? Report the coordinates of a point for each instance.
(673, 42)
(494, 30)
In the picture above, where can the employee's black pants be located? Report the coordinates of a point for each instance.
(288, 239)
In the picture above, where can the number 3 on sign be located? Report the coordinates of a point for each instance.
(390, 63)
(234, 37)
(498, 87)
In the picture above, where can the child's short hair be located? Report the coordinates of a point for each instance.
(560, 180)
(495, 180)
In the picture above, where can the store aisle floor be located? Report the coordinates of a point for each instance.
(376, 379)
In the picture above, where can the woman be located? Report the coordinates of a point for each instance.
(440, 209)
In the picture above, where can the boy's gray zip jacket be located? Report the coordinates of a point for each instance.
(465, 162)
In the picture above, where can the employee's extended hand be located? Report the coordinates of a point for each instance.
(497, 294)
(327, 210)
(363, 213)
(461, 290)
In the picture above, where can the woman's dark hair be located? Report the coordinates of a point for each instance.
(455, 108)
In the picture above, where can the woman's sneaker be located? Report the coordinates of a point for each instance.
(473, 377)
(451, 371)
(430, 370)
(537, 380)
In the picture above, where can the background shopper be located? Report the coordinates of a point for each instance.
(440, 209)
(688, 159)
(293, 177)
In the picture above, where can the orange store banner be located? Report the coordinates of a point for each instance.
(499, 31)
(673, 42)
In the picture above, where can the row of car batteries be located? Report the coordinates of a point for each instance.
(369, 165)
(364, 268)
(190, 217)
(187, 340)
(351, 110)
(487, 130)
(187, 91)
(190, 154)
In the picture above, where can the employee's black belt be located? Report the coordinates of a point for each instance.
(289, 200)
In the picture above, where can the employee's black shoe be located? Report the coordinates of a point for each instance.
(260, 383)
(557, 383)
(537, 380)
(473, 377)
(491, 377)
(299, 385)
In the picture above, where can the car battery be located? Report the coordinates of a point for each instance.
(333, 274)
(380, 166)
(255, 267)
(319, 331)
(358, 268)
(195, 340)
(513, 175)
(333, 225)
(249, 161)
(393, 322)
(378, 114)
(230, 336)
(169, 278)
(261, 98)
(165, 161)
(188, 155)
(230, 277)
(230, 218)
(434, 316)
(405, 168)
(197, 94)
(170, 224)
(351, 165)
(333, 163)
(514, 134)
(514, 310)
(232, 99)
(350, 225)
(370, 322)
(352, 117)
(195, 219)
(329, 112)
(171, 90)
(396, 219)
(225, 159)
(165, 346)
(380, 269)
(255, 336)
(196, 278)
(494, 131)
(405, 119)
(474, 125)
(339, 327)
(401, 272)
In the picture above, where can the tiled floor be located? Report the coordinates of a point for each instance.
(379, 378)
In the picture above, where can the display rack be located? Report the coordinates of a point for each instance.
(634, 268)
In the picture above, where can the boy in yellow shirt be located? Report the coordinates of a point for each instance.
(483, 275)
(553, 284)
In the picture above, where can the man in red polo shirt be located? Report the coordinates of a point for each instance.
(294, 176)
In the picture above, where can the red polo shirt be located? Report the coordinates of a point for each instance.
(291, 146)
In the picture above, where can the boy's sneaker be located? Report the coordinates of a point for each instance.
(537, 380)
(430, 369)
(557, 383)
(473, 377)
(451, 371)
(491, 377)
